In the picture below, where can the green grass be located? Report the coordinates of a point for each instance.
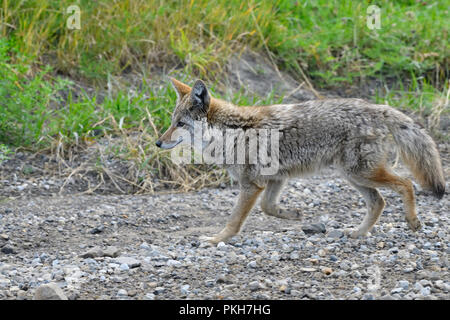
(329, 40)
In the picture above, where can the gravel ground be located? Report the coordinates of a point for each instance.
(147, 247)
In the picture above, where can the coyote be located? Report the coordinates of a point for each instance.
(351, 135)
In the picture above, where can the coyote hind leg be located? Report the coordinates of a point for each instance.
(269, 202)
(382, 177)
(375, 205)
(404, 187)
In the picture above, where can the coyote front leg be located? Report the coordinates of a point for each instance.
(248, 195)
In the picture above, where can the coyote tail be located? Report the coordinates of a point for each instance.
(418, 151)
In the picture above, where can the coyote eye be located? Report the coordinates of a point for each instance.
(180, 124)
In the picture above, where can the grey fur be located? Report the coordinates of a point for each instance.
(351, 135)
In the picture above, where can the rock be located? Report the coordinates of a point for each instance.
(111, 251)
(425, 291)
(131, 262)
(294, 255)
(308, 269)
(49, 291)
(368, 296)
(8, 250)
(403, 284)
(97, 230)
(222, 246)
(124, 267)
(185, 289)
(345, 265)
(159, 290)
(335, 234)
(327, 271)
(150, 296)
(396, 290)
(254, 285)
(4, 282)
(252, 264)
(122, 293)
(314, 228)
(425, 283)
(393, 250)
(92, 253)
(173, 263)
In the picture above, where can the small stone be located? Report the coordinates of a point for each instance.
(425, 291)
(173, 263)
(275, 257)
(131, 262)
(327, 271)
(368, 296)
(222, 246)
(333, 258)
(295, 293)
(254, 286)
(439, 284)
(294, 256)
(396, 290)
(345, 265)
(111, 251)
(308, 269)
(393, 250)
(356, 290)
(97, 230)
(92, 253)
(335, 234)
(425, 283)
(144, 245)
(150, 296)
(404, 284)
(185, 289)
(159, 290)
(49, 291)
(124, 267)
(7, 250)
(252, 264)
(122, 293)
(314, 228)
(283, 288)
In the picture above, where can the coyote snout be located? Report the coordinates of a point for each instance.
(351, 135)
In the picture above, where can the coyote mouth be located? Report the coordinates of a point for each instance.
(169, 145)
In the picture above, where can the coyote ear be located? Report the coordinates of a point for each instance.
(180, 88)
(200, 96)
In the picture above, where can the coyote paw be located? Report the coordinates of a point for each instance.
(352, 233)
(414, 224)
(210, 240)
(283, 213)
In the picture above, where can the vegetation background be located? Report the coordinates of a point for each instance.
(101, 89)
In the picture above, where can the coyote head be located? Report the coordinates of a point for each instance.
(192, 105)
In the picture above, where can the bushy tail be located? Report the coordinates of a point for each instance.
(418, 151)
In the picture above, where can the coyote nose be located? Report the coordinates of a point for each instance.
(158, 144)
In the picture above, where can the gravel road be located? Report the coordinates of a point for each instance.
(147, 247)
